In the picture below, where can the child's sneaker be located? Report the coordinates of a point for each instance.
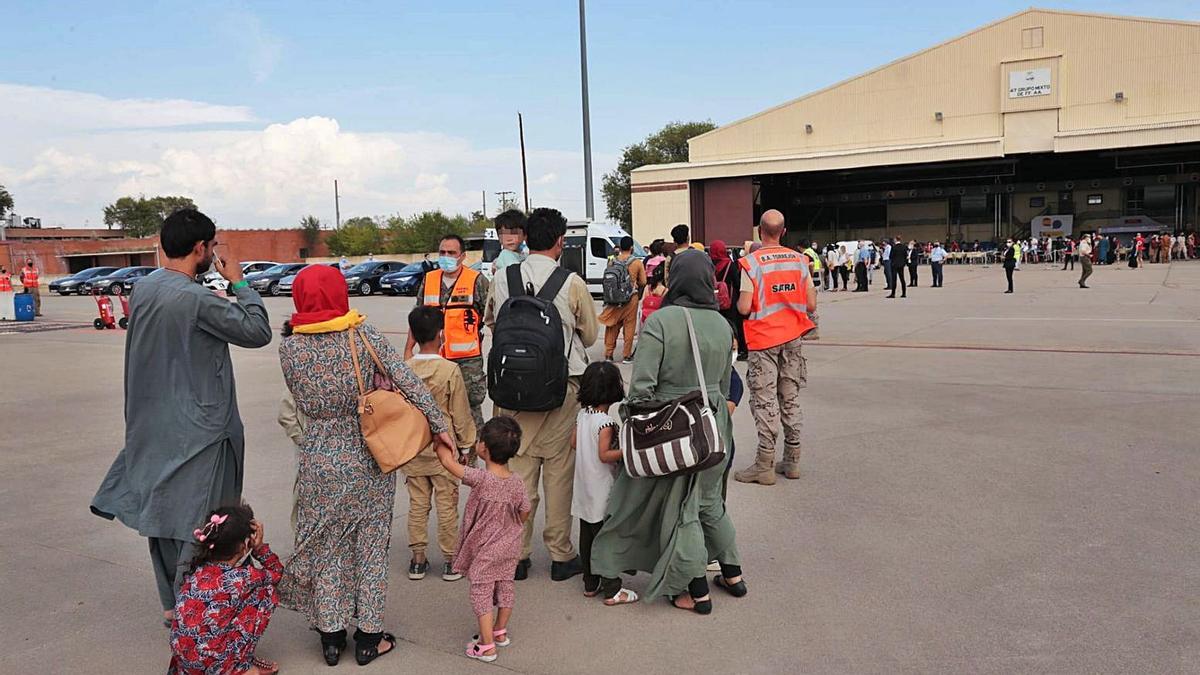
(417, 570)
(448, 573)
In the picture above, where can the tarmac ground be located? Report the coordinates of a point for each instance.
(991, 483)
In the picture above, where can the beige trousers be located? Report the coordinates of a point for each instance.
(424, 491)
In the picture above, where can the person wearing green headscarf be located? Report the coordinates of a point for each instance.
(673, 526)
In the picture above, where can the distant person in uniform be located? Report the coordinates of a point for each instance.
(7, 309)
(937, 258)
(777, 296)
(1085, 259)
(30, 280)
(914, 257)
(1012, 253)
(461, 294)
(184, 443)
(899, 263)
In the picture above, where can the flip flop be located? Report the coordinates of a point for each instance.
(623, 597)
(269, 667)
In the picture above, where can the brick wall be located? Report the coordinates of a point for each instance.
(54, 256)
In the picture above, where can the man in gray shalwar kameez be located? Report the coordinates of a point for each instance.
(184, 440)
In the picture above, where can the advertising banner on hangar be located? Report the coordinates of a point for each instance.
(1052, 226)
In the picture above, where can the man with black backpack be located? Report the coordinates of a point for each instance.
(542, 320)
(623, 283)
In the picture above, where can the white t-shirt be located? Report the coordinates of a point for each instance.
(593, 478)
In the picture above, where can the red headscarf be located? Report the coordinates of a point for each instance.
(320, 294)
(719, 253)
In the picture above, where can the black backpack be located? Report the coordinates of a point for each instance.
(527, 366)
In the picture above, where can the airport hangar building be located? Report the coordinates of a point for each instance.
(1045, 121)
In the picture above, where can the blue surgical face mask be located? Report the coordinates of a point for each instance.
(448, 264)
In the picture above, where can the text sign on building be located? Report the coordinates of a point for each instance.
(1025, 83)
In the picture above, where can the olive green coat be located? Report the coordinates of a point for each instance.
(672, 527)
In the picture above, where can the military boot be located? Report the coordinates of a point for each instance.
(761, 471)
(790, 466)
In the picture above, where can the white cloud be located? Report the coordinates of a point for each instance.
(59, 168)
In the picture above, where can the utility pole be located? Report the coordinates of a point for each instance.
(483, 199)
(524, 173)
(505, 200)
(587, 124)
(337, 205)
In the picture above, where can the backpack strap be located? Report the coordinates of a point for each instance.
(515, 285)
(553, 285)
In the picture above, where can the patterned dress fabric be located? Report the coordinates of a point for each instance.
(221, 613)
(338, 574)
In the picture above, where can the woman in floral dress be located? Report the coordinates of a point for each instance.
(338, 573)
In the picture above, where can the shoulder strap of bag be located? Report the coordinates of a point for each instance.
(374, 356)
(362, 390)
(696, 356)
(515, 285)
(554, 284)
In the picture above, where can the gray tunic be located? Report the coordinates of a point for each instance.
(184, 441)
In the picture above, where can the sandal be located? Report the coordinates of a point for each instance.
(479, 652)
(265, 666)
(623, 597)
(737, 590)
(332, 645)
(499, 638)
(365, 654)
(591, 592)
(703, 607)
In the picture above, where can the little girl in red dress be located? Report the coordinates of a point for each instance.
(489, 541)
(225, 603)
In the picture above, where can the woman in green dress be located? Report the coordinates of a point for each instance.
(672, 527)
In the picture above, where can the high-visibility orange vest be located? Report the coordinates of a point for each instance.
(29, 277)
(5, 283)
(460, 320)
(779, 309)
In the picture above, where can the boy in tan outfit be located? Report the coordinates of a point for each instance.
(427, 480)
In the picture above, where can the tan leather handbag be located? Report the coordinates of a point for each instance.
(395, 430)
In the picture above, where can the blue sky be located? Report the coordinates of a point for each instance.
(424, 95)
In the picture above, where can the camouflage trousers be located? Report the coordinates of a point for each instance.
(476, 381)
(775, 378)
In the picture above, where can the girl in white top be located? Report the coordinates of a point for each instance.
(597, 460)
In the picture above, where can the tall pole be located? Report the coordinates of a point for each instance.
(483, 198)
(524, 173)
(337, 205)
(587, 124)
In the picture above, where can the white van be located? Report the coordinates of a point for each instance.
(588, 247)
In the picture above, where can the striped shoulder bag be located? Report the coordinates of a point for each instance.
(676, 437)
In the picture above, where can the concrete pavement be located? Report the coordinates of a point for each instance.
(991, 483)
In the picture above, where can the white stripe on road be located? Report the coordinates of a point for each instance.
(1067, 318)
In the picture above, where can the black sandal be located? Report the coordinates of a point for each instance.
(701, 607)
(366, 646)
(332, 645)
(737, 590)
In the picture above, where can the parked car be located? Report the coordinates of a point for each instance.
(114, 284)
(406, 280)
(364, 278)
(267, 281)
(214, 281)
(285, 284)
(74, 283)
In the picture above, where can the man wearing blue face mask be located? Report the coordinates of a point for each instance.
(461, 294)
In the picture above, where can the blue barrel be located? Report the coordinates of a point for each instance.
(24, 306)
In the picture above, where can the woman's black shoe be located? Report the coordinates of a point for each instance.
(522, 571)
(366, 646)
(332, 645)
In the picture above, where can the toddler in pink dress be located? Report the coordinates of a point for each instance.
(489, 541)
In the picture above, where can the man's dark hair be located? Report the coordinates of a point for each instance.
(679, 234)
(543, 228)
(182, 229)
(626, 243)
(462, 244)
(601, 384)
(424, 322)
(511, 219)
(502, 435)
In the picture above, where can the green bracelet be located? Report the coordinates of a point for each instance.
(240, 285)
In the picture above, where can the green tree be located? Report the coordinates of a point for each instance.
(421, 233)
(6, 201)
(357, 236)
(142, 217)
(666, 145)
(311, 226)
